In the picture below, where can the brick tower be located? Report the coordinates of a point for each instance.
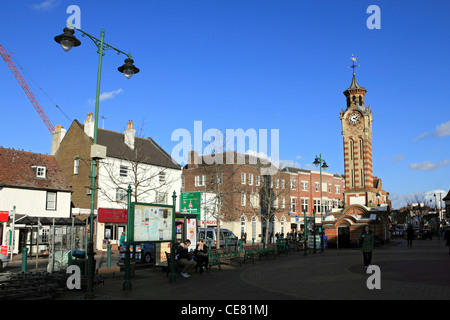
(357, 135)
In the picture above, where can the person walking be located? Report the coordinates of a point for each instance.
(366, 240)
(409, 235)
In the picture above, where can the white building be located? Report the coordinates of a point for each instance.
(31, 186)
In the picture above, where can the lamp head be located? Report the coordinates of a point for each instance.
(128, 69)
(67, 40)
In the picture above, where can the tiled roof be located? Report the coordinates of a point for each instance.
(18, 169)
(145, 150)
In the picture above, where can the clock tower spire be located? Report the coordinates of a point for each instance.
(357, 137)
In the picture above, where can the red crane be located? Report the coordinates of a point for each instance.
(25, 88)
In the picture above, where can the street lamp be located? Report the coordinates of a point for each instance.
(323, 165)
(67, 40)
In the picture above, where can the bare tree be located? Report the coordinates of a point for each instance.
(145, 167)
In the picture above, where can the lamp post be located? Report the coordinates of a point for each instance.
(323, 165)
(68, 41)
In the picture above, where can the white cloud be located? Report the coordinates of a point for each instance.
(106, 95)
(422, 136)
(46, 5)
(395, 159)
(442, 130)
(428, 165)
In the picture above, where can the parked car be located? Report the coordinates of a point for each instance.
(144, 252)
(398, 232)
(3, 261)
(425, 233)
(211, 235)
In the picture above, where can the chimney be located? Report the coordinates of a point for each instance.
(57, 137)
(89, 125)
(193, 159)
(129, 135)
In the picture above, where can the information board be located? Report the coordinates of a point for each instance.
(152, 222)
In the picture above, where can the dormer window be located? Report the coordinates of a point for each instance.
(41, 172)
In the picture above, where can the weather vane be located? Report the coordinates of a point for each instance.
(353, 66)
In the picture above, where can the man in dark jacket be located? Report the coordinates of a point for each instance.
(182, 255)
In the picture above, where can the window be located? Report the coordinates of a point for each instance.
(121, 195)
(161, 197)
(277, 183)
(243, 199)
(293, 204)
(40, 172)
(258, 181)
(304, 205)
(317, 186)
(337, 189)
(283, 202)
(162, 177)
(282, 183)
(254, 200)
(182, 182)
(123, 172)
(317, 205)
(250, 179)
(304, 186)
(329, 188)
(200, 181)
(293, 184)
(51, 201)
(76, 164)
(243, 178)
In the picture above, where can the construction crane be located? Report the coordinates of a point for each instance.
(25, 88)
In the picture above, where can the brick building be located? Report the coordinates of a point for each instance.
(130, 160)
(244, 194)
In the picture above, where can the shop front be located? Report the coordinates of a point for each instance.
(111, 224)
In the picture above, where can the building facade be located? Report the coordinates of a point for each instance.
(32, 185)
(244, 194)
(130, 161)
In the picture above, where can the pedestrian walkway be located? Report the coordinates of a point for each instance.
(419, 272)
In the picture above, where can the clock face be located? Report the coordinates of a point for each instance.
(354, 118)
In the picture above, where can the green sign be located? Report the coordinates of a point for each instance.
(190, 202)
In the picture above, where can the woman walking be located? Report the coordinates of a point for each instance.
(366, 240)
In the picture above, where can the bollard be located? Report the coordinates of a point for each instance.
(108, 260)
(24, 259)
(226, 243)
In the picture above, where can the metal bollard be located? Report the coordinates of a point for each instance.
(108, 259)
(24, 259)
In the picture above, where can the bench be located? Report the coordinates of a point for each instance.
(178, 267)
(214, 258)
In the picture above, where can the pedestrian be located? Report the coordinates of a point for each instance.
(121, 240)
(366, 240)
(409, 235)
(182, 255)
(447, 238)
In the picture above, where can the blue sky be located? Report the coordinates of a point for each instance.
(249, 64)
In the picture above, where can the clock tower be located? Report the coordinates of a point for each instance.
(357, 137)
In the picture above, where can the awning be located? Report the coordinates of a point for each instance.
(32, 221)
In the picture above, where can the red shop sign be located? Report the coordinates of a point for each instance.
(4, 216)
(112, 215)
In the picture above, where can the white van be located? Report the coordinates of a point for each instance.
(225, 234)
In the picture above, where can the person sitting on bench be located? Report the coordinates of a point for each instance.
(184, 259)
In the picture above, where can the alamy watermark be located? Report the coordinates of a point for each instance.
(235, 140)
(374, 21)
(374, 281)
